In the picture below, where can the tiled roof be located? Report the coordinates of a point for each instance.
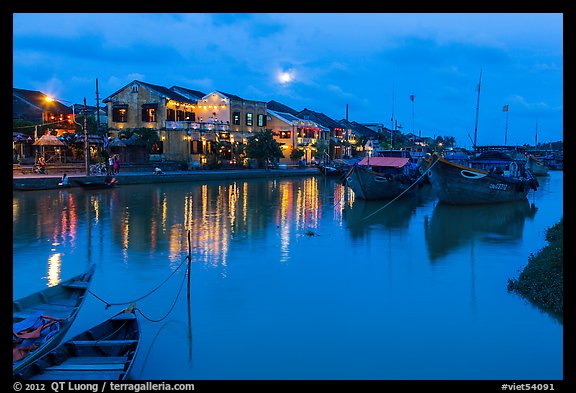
(162, 90)
(278, 107)
(38, 100)
(192, 94)
(360, 129)
(231, 96)
(319, 118)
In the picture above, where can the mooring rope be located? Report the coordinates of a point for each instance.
(402, 193)
(108, 304)
(171, 308)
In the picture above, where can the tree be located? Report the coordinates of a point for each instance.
(296, 154)
(262, 147)
(322, 149)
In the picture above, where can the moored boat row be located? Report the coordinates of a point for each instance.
(40, 322)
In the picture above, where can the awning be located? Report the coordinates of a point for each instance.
(122, 106)
(150, 106)
(392, 162)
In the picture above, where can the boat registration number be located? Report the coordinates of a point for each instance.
(498, 186)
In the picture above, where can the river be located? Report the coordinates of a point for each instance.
(294, 278)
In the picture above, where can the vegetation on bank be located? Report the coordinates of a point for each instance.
(541, 281)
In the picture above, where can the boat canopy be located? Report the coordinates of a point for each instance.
(393, 162)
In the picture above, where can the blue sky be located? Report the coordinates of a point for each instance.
(370, 62)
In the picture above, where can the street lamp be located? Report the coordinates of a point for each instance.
(84, 128)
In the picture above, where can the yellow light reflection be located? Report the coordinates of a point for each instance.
(54, 264)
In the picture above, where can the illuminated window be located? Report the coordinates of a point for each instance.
(119, 115)
(196, 147)
(249, 119)
(149, 115)
(236, 118)
(261, 121)
(170, 114)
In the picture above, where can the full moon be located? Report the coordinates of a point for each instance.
(285, 77)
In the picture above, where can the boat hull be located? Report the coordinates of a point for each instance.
(370, 185)
(62, 301)
(456, 184)
(103, 352)
(94, 185)
(537, 167)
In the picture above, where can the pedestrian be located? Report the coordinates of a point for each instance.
(116, 165)
(64, 182)
(111, 164)
(42, 165)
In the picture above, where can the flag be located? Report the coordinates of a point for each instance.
(505, 108)
(412, 98)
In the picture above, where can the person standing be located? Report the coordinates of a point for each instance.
(110, 165)
(42, 164)
(116, 165)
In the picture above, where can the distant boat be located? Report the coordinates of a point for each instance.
(491, 177)
(94, 185)
(537, 167)
(103, 352)
(42, 319)
(382, 177)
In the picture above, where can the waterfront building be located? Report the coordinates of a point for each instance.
(290, 131)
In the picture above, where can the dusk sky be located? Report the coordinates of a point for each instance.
(372, 62)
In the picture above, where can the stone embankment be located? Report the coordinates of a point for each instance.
(50, 181)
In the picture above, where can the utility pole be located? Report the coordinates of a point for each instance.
(346, 145)
(86, 149)
(97, 109)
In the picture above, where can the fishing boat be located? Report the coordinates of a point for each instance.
(491, 177)
(41, 320)
(96, 185)
(493, 174)
(382, 177)
(103, 352)
(537, 167)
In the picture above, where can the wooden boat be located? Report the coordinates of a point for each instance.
(537, 167)
(491, 177)
(382, 178)
(41, 320)
(95, 185)
(330, 170)
(103, 352)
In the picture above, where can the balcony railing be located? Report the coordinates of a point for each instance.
(196, 125)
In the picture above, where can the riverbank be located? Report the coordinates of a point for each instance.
(541, 281)
(23, 182)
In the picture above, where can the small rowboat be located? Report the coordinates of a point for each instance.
(103, 352)
(42, 319)
(95, 185)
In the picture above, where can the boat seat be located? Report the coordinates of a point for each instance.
(87, 367)
(63, 375)
(76, 285)
(103, 342)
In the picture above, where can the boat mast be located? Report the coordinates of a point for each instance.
(477, 109)
(536, 137)
(392, 119)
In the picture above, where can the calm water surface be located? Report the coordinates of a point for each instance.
(295, 279)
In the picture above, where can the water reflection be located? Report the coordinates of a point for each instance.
(452, 227)
(157, 218)
(395, 215)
